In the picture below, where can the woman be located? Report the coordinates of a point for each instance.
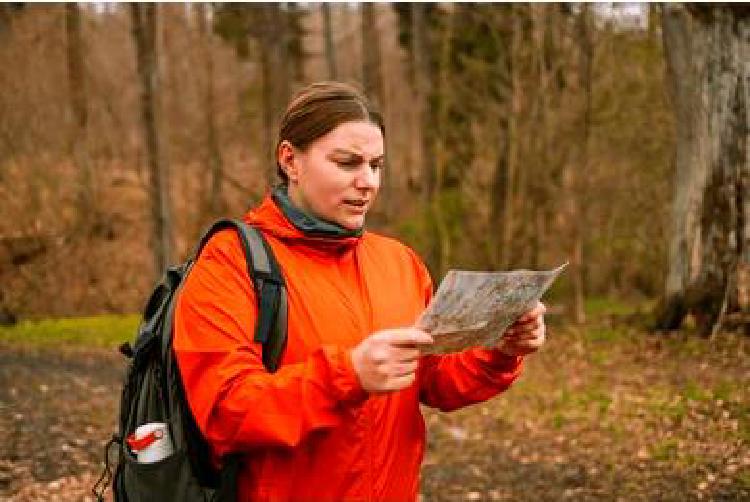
(340, 419)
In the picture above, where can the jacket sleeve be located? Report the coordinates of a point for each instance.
(237, 404)
(452, 381)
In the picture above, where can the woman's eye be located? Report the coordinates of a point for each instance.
(349, 164)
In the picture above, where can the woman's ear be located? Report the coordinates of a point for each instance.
(286, 158)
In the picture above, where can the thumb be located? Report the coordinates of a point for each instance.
(410, 337)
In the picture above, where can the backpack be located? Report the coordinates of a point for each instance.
(153, 390)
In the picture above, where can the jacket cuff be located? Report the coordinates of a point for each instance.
(345, 383)
(502, 362)
(499, 367)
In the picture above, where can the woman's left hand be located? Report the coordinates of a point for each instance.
(526, 335)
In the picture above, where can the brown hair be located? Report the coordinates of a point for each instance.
(318, 109)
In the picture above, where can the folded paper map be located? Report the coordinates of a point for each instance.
(473, 309)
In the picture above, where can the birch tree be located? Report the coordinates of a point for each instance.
(707, 51)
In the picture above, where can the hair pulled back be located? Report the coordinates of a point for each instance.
(318, 109)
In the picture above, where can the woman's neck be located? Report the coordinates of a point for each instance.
(307, 222)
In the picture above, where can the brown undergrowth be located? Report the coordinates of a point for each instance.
(603, 412)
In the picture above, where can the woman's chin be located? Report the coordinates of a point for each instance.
(352, 222)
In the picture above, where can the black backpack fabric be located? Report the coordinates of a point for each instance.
(153, 390)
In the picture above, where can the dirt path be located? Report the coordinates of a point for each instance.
(596, 416)
(57, 408)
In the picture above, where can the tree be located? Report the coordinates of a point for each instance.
(278, 31)
(501, 198)
(372, 73)
(7, 11)
(706, 49)
(79, 107)
(330, 49)
(213, 150)
(571, 175)
(374, 86)
(145, 25)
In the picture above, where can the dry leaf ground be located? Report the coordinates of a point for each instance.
(605, 412)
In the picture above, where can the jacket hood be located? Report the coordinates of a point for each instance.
(277, 216)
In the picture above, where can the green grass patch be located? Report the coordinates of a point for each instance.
(98, 331)
(599, 357)
(596, 398)
(725, 390)
(558, 421)
(580, 401)
(689, 346)
(665, 450)
(666, 402)
(602, 306)
(743, 412)
(694, 392)
(744, 479)
(606, 334)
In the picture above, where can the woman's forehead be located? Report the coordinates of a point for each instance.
(364, 138)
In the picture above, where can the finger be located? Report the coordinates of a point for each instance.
(512, 333)
(522, 330)
(380, 354)
(525, 334)
(410, 337)
(538, 310)
(529, 335)
(523, 347)
(402, 369)
(401, 382)
(535, 340)
(526, 321)
(402, 354)
(527, 328)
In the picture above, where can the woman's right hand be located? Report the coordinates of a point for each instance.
(387, 360)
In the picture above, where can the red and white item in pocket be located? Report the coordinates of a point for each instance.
(151, 442)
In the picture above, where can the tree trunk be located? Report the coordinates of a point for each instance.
(294, 16)
(372, 78)
(574, 180)
(145, 20)
(372, 74)
(7, 12)
(441, 239)
(504, 178)
(78, 143)
(215, 202)
(707, 49)
(273, 31)
(422, 88)
(328, 35)
(544, 24)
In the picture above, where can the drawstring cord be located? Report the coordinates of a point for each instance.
(106, 478)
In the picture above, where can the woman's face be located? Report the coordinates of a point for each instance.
(338, 176)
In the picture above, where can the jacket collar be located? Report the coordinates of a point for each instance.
(278, 216)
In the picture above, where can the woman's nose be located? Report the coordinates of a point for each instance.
(368, 178)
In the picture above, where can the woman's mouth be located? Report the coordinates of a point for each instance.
(356, 205)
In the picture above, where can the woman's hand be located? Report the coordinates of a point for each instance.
(526, 335)
(387, 360)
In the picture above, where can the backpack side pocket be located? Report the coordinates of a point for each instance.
(168, 480)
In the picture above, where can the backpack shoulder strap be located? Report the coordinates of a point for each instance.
(265, 274)
(271, 326)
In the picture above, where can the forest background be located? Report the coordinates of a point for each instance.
(612, 136)
(517, 136)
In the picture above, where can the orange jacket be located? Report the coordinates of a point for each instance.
(311, 432)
